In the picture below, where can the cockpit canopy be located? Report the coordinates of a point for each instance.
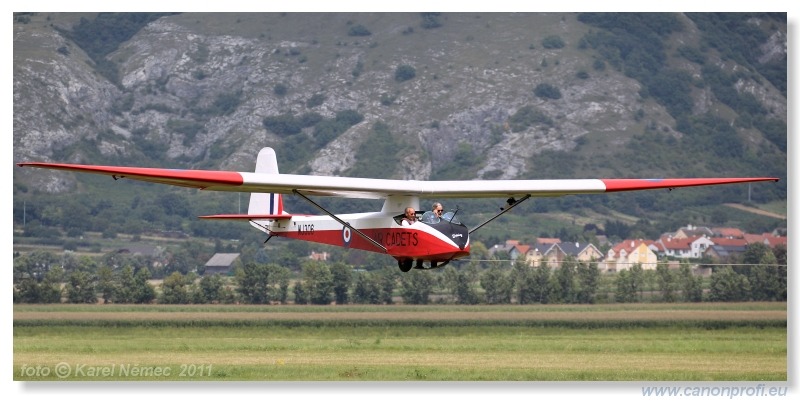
(430, 218)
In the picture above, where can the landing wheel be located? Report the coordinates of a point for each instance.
(405, 265)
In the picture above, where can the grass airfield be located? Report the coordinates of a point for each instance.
(615, 342)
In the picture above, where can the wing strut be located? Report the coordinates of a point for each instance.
(511, 204)
(339, 220)
(266, 229)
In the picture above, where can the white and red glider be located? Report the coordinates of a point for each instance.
(430, 239)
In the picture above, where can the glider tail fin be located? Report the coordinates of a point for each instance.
(266, 203)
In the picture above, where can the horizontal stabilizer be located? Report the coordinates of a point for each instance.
(246, 217)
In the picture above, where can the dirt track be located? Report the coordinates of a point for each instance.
(755, 210)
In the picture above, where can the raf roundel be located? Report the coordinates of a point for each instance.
(346, 236)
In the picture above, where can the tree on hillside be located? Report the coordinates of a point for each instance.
(404, 72)
(358, 30)
(430, 20)
(547, 91)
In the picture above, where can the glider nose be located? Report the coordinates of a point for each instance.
(460, 236)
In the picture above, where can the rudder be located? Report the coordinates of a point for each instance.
(266, 203)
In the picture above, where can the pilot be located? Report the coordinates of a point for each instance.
(410, 217)
(435, 215)
(438, 209)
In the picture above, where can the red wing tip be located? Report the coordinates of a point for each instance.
(615, 185)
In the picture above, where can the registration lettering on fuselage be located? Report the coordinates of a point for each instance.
(305, 229)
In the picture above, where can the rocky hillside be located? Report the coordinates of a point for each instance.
(404, 95)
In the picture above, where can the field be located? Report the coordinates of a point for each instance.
(616, 342)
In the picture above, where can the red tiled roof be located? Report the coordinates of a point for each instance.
(729, 241)
(678, 243)
(727, 232)
(548, 240)
(754, 238)
(628, 245)
(765, 238)
(523, 249)
(775, 240)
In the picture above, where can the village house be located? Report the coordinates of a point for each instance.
(503, 248)
(766, 238)
(691, 231)
(548, 253)
(724, 249)
(627, 253)
(728, 232)
(602, 241)
(515, 251)
(154, 254)
(220, 263)
(548, 250)
(682, 248)
(319, 256)
(150, 251)
(582, 252)
(690, 242)
(553, 253)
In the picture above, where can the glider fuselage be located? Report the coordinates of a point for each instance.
(442, 241)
